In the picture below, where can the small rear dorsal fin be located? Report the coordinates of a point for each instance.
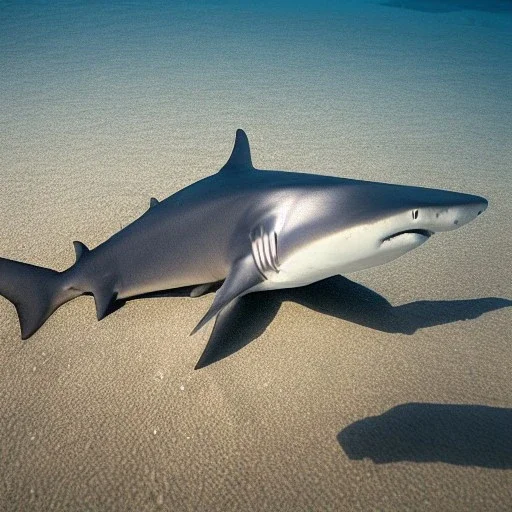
(240, 159)
(153, 202)
(80, 249)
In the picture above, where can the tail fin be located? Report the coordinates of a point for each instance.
(36, 292)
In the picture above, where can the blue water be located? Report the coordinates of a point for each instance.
(284, 63)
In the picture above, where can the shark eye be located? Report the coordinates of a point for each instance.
(415, 214)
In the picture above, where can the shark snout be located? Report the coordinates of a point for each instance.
(453, 216)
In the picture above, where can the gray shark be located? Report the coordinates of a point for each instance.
(247, 229)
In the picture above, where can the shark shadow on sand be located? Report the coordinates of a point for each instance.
(247, 318)
(464, 435)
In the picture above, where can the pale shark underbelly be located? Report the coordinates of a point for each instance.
(352, 250)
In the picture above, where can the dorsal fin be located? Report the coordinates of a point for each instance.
(240, 159)
(153, 202)
(80, 249)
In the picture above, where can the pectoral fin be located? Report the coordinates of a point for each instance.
(244, 275)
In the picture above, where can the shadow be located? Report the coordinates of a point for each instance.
(442, 6)
(247, 318)
(241, 322)
(465, 435)
(175, 292)
(341, 298)
(117, 304)
(347, 300)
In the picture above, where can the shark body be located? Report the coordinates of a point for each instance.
(250, 230)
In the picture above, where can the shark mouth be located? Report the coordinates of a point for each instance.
(422, 232)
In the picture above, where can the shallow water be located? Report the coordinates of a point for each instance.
(350, 81)
(494, 6)
(105, 104)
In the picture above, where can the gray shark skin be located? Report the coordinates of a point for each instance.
(248, 229)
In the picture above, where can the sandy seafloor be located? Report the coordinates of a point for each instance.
(391, 394)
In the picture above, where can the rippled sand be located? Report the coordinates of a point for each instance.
(388, 392)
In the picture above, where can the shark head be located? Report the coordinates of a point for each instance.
(354, 225)
(415, 214)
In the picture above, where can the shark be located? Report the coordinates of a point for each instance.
(239, 231)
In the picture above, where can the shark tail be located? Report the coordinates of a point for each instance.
(36, 292)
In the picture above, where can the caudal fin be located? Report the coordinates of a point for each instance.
(36, 293)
